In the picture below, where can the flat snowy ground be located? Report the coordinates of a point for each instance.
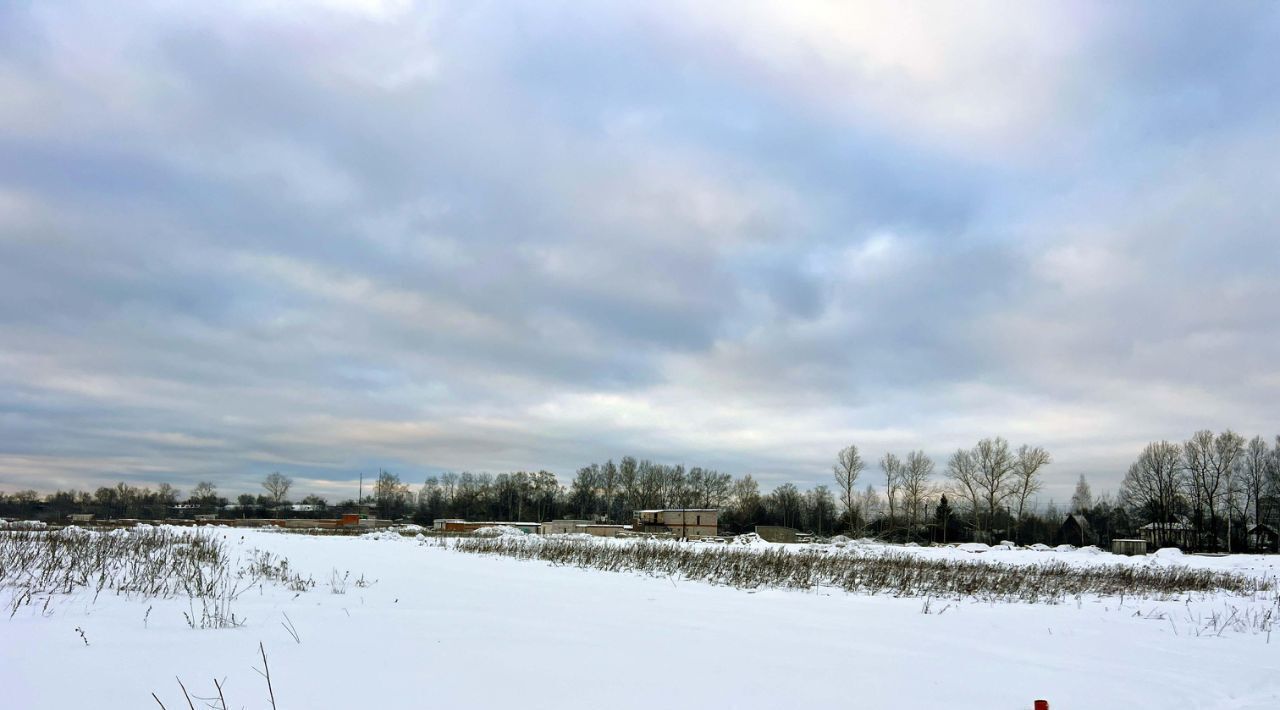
(440, 628)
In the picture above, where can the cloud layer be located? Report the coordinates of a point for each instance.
(245, 237)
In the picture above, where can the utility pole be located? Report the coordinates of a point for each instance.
(360, 495)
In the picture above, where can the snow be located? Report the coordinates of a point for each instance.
(499, 531)
(381, 535)
(751, 539)
(435, 627)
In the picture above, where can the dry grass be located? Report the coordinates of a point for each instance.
(158, 563)
(898, 574)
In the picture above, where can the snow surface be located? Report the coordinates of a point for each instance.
(442, 628)
(499, 531)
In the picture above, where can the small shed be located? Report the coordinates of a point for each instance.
(81, 517)
(1129, 547)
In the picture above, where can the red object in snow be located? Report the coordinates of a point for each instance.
(1042, 705)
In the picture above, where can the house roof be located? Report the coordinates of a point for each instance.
(1080, 520)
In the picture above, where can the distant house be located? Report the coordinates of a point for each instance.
(1264, 537)
(81, 517)
(1075, 530)
(681, 522)
(1173, 534)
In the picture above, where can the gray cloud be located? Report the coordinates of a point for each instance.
(323, 240)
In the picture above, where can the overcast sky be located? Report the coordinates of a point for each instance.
(324, 238)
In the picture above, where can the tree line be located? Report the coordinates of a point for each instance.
(1207, 491)
(1216, 485)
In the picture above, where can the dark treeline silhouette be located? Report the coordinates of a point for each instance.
(1209, 492)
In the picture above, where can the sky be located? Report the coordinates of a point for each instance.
(324, 238)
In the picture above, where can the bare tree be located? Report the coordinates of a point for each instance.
(914, 482)
(1154, 486)
(205, 493)
(390, 495)
(892, 467)
(1228, 449)
(167, 494)
(1026, 475)
(277, 486)
(1196, 452)
(1211, 461)
(1256, 466)
(995, 465)
(963, 470)
(868, 505)
(745, 499)
(1082, 499)
(846, 469)
(821, 509)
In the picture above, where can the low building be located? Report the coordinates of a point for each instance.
(777, 533)
(81, 517)
(680, 522)
(467, 526)
(1129, 547)
(560, 527)
(602, 529)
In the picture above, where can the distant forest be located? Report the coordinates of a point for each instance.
(1208, 492)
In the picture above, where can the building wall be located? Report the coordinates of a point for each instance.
(466, 526)
(559, 527)
(690, 518)
(687, 523)
(776, 533)
(1129, 547)
(601, 530)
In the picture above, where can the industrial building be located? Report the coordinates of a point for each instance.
(680, 522)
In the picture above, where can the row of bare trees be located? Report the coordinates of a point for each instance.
(1205, 488)
(990, 477)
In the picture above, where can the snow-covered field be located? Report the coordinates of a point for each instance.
(433, 627)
